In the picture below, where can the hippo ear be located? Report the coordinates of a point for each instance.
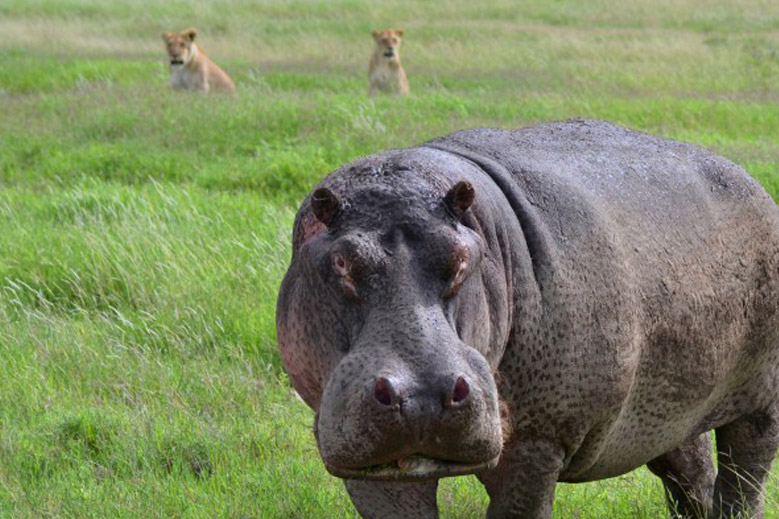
(460, 198)
(325, 205)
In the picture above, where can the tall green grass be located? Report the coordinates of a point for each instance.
(144, 233)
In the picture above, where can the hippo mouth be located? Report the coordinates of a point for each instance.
(413, 468)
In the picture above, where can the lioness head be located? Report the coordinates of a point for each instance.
(388, 42)
(179, 45)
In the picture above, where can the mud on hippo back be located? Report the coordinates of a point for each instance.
(564, 302)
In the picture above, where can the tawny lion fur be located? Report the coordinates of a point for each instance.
(385, 73)
(190, 68)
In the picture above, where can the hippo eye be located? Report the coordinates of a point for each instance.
(340, 265)
(343, 269)
(459, 277)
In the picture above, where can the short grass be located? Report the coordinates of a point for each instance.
(143, 234)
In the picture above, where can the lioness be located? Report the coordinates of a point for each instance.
(190, 68)
(385, 73)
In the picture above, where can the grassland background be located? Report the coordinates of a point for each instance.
(144, 233)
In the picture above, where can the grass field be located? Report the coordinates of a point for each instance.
(144, 233)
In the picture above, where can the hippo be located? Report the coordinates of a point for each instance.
(564, 302)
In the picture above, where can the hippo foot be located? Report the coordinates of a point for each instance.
(394, 500)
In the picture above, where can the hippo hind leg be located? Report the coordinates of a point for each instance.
(394, 500)
(688, 477)
(745, 449)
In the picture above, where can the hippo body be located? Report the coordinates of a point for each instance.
(564, 302)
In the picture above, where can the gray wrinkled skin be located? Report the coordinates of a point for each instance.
(607, 300)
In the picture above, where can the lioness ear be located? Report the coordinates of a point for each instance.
(166, 36)
(460, 198)
(191, 34)
(399, 32)
(375, 34)
(325, 205)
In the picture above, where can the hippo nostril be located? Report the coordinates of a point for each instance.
(461, 390)
(384, 392)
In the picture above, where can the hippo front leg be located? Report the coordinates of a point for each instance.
(522, 486)
(394, 500)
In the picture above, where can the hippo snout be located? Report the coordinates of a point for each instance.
(400, 423)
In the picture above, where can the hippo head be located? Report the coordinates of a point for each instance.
(370, 326)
